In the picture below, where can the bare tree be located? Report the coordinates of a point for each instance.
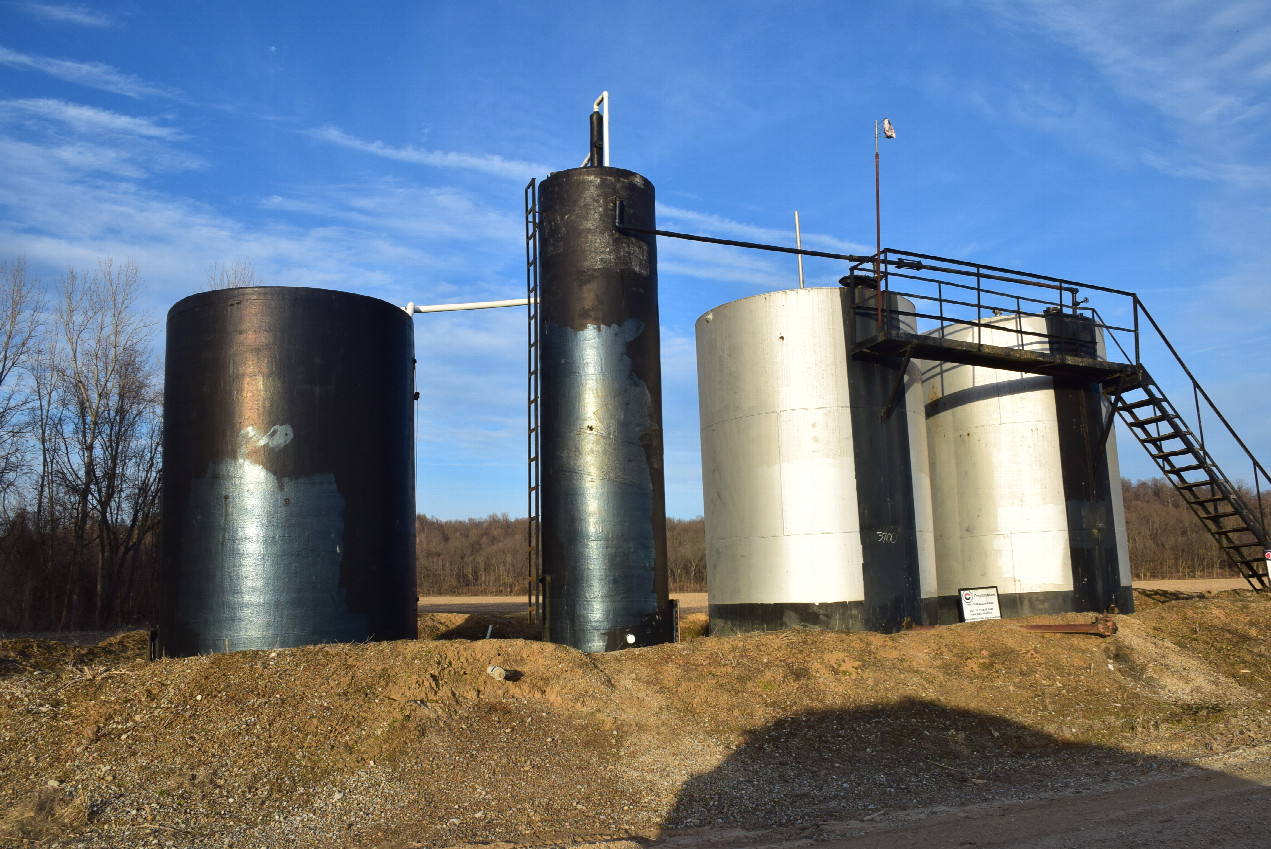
(106, 449)
(20, 307)
(237, 275)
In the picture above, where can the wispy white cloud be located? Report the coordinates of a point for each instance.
(86, 119)
(488, 163)
(1192, 166)
(1204, 71)
(1215, 72)
(59, 140)
(91, 74)
(75, 15)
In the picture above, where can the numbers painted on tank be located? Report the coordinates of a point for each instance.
(886, 536)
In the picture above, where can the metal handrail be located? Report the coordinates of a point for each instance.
(891, 262)
(899, 263)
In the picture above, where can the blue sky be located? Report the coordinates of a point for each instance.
(383, 148)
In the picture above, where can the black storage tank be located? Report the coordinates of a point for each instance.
(603, 496)
(288, 488)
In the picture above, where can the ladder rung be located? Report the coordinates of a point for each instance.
(1178, 453)
(1138, 405)
(1195, 467)
(1150, 420)
(1223, 515)
(1210, 500)
(1161, 438)
(1186, 485)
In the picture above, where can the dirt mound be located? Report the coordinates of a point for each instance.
(417, 743)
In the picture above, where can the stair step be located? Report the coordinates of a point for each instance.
(1162, 438)
(1138, 405)
(1178, 470)
(1180, 452)
(1208, 500)
(1235, 545)
(1150, 420)
(1186, 485)
(1226, 514)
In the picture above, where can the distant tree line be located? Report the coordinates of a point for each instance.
(490, 556)
(80, 464)
(1165, 538)
(80, 416)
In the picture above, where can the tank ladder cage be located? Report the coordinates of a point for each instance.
(948, 291)
(536, 603)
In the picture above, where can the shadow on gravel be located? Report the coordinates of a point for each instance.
(824, 775)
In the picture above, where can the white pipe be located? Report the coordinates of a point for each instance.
(798, 243)
(413, 308)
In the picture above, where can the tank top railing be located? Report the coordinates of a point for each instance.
(943, 292)
(949, 293)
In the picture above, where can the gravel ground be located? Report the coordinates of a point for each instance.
(765, 739)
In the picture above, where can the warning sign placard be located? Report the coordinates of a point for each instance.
(979, 603)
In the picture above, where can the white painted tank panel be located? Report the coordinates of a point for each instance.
(996, 474)
(778, 468)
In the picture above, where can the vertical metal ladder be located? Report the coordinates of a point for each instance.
(534, 552)
(1238, 528)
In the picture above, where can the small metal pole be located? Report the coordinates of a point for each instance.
(878, 222)
(878, 237)
(1137, 360)
(979, 310)
(1200, 425)
(798, 243)
(1257, 485)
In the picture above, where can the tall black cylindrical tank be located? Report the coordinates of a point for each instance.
(603, 496)
(288, 487)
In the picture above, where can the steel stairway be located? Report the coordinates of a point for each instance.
(941, 291)
(946, 290)
(1185, 463)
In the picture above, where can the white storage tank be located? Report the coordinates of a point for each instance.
(1026, 499)
(818, 510)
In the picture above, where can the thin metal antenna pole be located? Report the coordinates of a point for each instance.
(798, 243)
(878, 234)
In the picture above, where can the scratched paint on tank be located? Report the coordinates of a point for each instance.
(604, 496)
(276, 546)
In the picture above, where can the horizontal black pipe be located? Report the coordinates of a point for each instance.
(731, 242)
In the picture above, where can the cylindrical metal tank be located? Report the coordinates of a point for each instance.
(288, 479)
(603, 492)
(1026, 497)
(816, 496)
